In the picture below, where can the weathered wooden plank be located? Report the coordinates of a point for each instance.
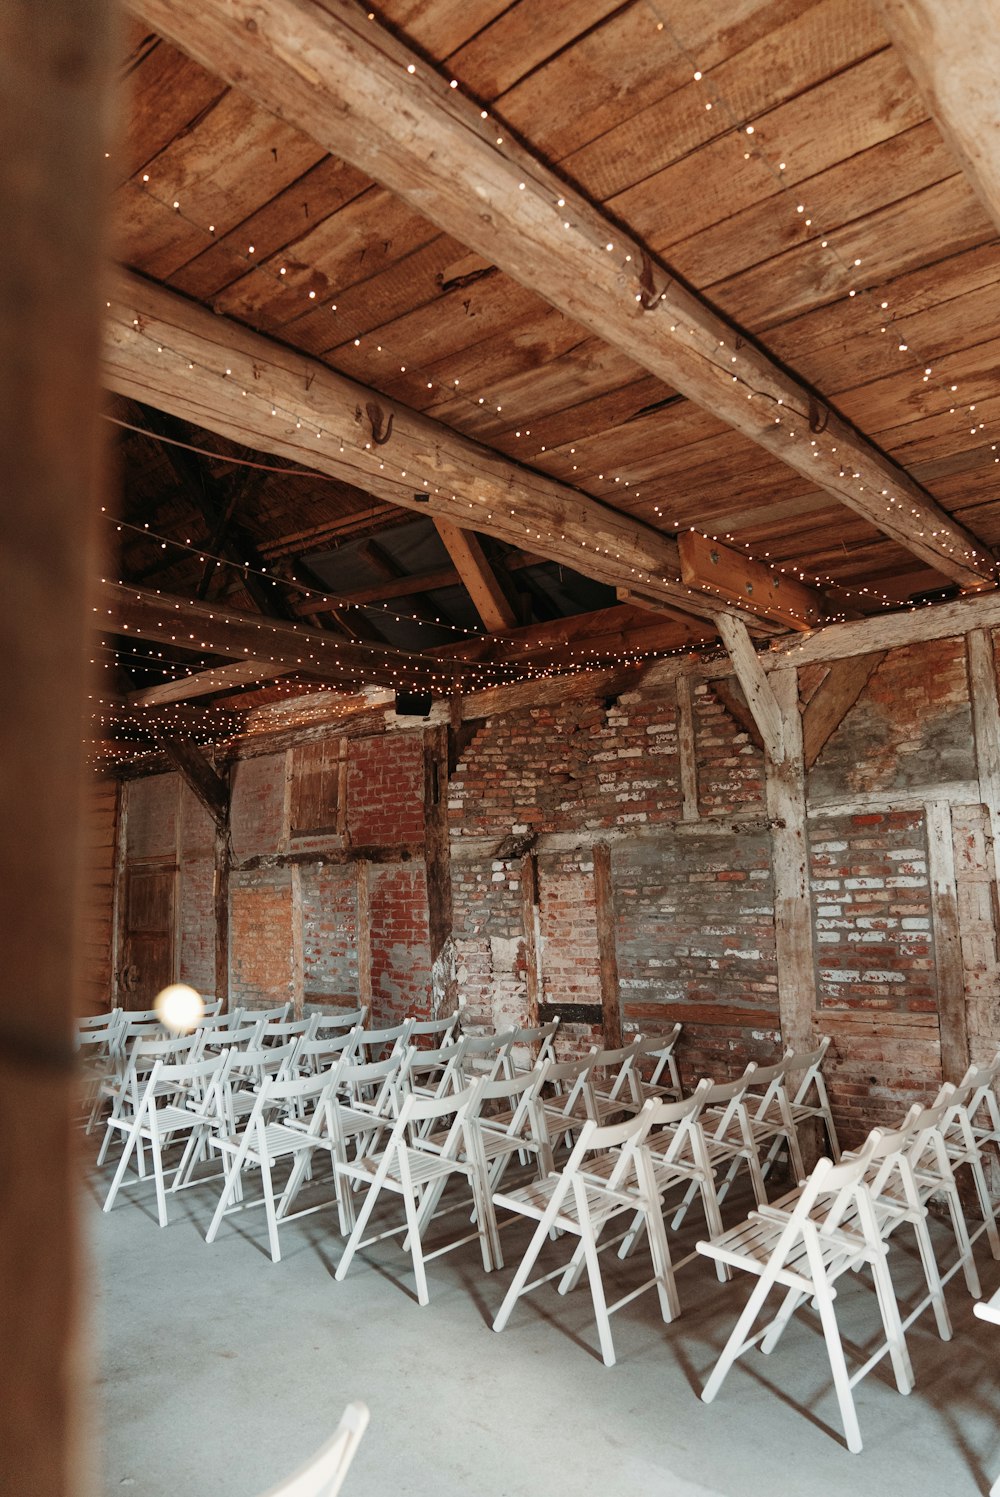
(298, 940)
(832, 701)
(532, 936)
(220, 904)
(226, 631)
(176, 356)
(793, 924)
(55, 112)
(206, 683)
(437, 855)
(981, 666)
(947, 941)
(604, 900)
(686, 754)
(716, 568)
(951, 48)
(759, 694)
(889, 631)
(364, 938)
(198, 774)
(477, 575)
(390, 114)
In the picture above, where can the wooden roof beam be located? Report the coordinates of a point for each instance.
(167, 351)
(952, 49)
(756, 687)
(356, 89)
(478, 577)
(220, 630)
(206, 683)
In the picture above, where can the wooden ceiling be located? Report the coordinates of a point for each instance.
(616, 274)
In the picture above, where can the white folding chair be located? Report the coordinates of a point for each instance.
(811, 1099)
(968, 1129)
(531, 1047)
(770, 1123)
(180, 1102)
(125, 1093)
(440, 1031)
(268, 1138)
(323, 1476)
(804, 1255)
(664, 1081)
(334, 1023)
(589, 1192)
(728, 1139)
(379, 1044)
(409, 1166)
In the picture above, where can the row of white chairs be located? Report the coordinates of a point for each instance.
(842, 1219)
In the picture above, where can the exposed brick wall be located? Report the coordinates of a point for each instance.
(730, 765)
(567, 911)
(872, 912)
(151, 823)
(385, 790)
(260, 927)
(695, 942)
(400, 942)
(489, 940)
(912, 725)
(330, 935)
(258, 805)
(548, 769)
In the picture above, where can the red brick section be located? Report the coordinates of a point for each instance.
(548, 769)
(330, 935)
(400, 943)
(872, 912)
(258, 805)
(152, 817)
(260, 926)
(385, 790)
(569, 932)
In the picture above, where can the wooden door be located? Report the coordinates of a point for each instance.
(148, 947)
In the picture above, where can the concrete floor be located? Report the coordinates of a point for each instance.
(220, 1371)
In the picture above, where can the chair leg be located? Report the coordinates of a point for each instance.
(157, 1158)
(358, 1230)
(964, 1245)
(838, 1366)
(737, 1338)
(527, 1263)
(894, 1334)
(130, 1144)
(594, 1275)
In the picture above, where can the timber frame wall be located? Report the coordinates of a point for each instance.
(625, 851)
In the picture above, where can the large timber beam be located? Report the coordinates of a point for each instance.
(478, 577)
(952, 49)
(220, 630)
(166, 351)
(887, 631)
(329, 69)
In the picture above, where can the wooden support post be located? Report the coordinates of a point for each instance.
(199, 775)
(440, 915)
(604, 899)
(793, 926)
(947, 941)
(532, 946)
(220, 885)
(364, 942)
(298, 957)
(756, 688)
(686, 750)
(986, 723)
(53, 123)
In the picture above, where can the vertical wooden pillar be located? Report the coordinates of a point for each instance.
(686, 755)
(298, 943)
(532, 954)
(786, 809)
(982, 676)
(437, 854)
(53, 106)
(221, 907)
(364, 942)
(947, 941)
(611, 1005)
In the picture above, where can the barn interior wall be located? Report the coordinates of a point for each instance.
(591, 877)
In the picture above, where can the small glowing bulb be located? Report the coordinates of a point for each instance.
(179, 1007)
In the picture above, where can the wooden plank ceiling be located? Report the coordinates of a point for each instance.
(776, 156)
